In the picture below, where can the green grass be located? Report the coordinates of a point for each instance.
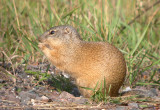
(100, 92)
(60, 83)
(22, 21)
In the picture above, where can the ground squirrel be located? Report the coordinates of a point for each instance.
(87, 62)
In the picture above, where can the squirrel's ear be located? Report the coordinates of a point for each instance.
(67, 30)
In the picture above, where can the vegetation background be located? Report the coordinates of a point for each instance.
(131, 25)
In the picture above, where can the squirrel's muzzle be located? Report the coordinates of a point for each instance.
(43, 37)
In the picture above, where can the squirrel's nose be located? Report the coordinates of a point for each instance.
(40, 38)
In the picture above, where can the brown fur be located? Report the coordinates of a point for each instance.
(87, 62)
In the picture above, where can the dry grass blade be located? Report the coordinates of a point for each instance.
(5, 75)
(138, 16)
(16, 14)
(10, 61)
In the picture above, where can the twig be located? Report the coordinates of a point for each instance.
(3, 58)
(16, 14)
(8, 101)
(5, 72)
(138, 16)
(9, 59)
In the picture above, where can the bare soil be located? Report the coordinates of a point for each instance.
(20, 90)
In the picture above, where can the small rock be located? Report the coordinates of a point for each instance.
(41, 88)
(121, 108)
(153, 92)
(44, 98)
(65, 95)
(11, 97)
(2, 92)
(26, 96)
(80, 100)
(29, 108)
(134, 108)
(24, 101)
(127, 89)
(22, 76)
(54, 96)
(19, 81)
(133, 105)
(33, 91)
(2, 81)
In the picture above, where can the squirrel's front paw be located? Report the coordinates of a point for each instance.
(41, 45)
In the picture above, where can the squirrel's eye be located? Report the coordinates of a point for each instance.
(52, 32)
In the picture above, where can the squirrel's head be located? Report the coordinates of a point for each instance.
(60, 35)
